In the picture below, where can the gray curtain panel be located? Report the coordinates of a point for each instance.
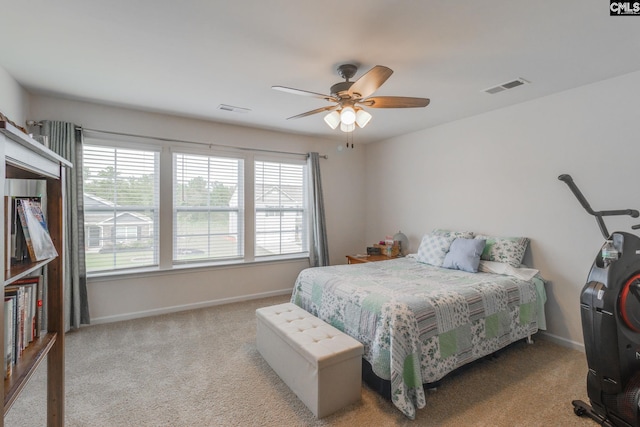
(66, 140)
(318, 248)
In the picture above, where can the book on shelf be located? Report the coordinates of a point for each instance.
(9, 353)
(8, 236)
(36, 232)
(23, 317)
(20, 252)
(40, 325)
(19, 317)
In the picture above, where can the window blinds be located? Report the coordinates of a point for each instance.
(208, 200)
(121, 207)
(280, 208)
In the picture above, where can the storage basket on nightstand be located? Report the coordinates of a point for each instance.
(389, 250)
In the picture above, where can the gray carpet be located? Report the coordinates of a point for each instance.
(201, 368)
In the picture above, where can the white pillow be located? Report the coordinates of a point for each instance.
(433, 248)
(507, 270)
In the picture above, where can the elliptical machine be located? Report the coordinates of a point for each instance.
(610, 312)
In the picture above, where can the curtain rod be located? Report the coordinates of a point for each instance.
(158, 138)
(194, 142)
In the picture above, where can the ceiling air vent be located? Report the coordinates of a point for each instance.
(508, 85)
(231, 108)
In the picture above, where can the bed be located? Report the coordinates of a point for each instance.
(419, 321)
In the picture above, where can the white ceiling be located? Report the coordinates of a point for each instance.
(187, 57)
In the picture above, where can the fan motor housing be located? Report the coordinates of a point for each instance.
(341, 89)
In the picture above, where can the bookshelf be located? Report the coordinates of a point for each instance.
(25, 158)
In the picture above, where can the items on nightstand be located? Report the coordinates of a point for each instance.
(403, 242)
(371, 250)
(389, 247)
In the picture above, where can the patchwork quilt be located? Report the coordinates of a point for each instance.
(418, 322)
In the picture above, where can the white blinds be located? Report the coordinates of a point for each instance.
(121, 207)
(207, 204)
(280, 208)
(207, 207)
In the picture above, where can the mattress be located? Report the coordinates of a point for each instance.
(418, 322)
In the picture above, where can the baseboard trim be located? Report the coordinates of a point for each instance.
(184, 307)
(562, 341)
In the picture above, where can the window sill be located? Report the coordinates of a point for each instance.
(184, 268)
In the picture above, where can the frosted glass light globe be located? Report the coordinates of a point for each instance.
(348, 116)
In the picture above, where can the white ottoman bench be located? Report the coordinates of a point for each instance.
(319, 363)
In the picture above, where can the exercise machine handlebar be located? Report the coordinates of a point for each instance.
(566, 178)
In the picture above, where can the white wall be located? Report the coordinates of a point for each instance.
(496, 173)
(127, 297)
(13, 99)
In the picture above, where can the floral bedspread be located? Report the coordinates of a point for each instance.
(418, 322)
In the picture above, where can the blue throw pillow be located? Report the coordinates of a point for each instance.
(464, 254)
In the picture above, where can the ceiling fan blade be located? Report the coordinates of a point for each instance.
(305, 93)
(395, 102)
(316, 111)
(370, 81)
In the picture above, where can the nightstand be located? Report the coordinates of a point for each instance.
(359, 259)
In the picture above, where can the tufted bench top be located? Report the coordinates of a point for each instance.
(318, 342)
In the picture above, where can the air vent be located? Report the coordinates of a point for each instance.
(508, 85)
(231, 108)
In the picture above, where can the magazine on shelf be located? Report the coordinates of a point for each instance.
(16, 251)
(35, 230)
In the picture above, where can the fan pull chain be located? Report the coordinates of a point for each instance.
(349, 134)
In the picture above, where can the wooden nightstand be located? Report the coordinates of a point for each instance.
(355, 259)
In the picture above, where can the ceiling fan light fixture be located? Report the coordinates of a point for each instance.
(347, 128)
(332, 119)
(348, 116)
(362, 118)
(349, 98)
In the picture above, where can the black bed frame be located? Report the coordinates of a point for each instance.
(383, 387)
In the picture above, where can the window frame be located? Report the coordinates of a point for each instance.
(304, 210)
(239, 210)
(154, 209)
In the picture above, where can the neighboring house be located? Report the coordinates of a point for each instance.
(106, 226)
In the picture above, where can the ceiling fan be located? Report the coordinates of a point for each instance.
(349, 98)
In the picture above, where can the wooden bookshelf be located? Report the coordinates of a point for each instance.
(33, 355)
(18, 271)
(25, 158)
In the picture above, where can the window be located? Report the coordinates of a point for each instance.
(120, 207)
(126, 232)
(280, 208)
(208, 197)
(171, 205)
(94, 236)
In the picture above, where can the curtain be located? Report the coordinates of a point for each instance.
(318, 248)
(66, 140)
